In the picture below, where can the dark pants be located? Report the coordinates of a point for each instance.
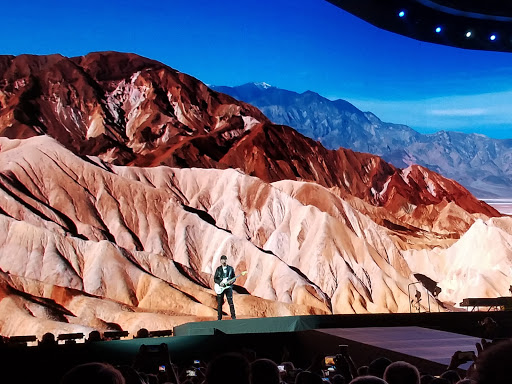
(220, 300)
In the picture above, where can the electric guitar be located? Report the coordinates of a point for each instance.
(227, 283)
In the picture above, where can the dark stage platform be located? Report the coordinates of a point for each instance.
(427, 340)
(468, 323)
(260, 325)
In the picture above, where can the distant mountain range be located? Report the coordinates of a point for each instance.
(481, 164)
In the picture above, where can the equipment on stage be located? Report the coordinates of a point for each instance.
(219, 288)
(504, 303)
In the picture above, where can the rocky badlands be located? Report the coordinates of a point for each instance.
(123, 181)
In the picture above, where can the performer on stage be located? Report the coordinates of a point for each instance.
(223, 273)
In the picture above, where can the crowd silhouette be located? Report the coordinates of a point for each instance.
(491, 363)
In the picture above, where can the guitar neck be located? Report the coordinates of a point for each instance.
(232, 280)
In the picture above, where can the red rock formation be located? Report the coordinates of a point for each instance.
(119, 106)
(130, 110)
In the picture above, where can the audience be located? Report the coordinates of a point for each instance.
(94, 336)
(264, 371)
(307, 377)
(439, 380)
(494, 364)
(451, 375)
(228, 368)
(426, 379)
(48, 339)
(378, 366)
(369, 379)
(152, 365)
(97, 373)
(142, 333)
(288, 372)
(338, 379)
(401, 372)
(130, 374)
(363, 370)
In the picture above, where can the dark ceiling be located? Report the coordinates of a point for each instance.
(455, 18)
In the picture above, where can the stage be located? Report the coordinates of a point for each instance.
(427, 340)
(463, 322)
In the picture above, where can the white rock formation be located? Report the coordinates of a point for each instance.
(86, 245)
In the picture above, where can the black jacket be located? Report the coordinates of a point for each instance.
(219, 273)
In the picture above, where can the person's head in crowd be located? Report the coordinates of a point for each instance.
(97, 373)
(264, 371)
(228, 368)
(338, 379)
(93, 336)
(489, 327)
(131, 376)
(307, 377)
(426, 378)
(368, 379)
(494, 364)
(363, 370)
(142, 333)
(440, 380)
(249, 354)
(401, 372)
(144, 377)
(287, 366)
(378, 366)
(451, 375)
(285, 372)
(163, 377)
(48, 339)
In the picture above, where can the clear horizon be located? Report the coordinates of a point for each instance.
(308, 46)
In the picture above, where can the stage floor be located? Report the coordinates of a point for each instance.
(429, 344)
(427, 340)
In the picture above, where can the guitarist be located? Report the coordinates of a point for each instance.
(223, 273)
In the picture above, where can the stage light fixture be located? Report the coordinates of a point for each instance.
(401, 14)
(70, 336)
(114, 335)
(469, 34)
(165, 332)
(22, 339)
(492, 37)
(438, 29)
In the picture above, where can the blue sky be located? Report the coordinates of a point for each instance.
(296, 45)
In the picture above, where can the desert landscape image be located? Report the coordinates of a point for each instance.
(125, 175)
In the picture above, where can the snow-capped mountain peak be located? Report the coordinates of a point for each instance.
(263, 85)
